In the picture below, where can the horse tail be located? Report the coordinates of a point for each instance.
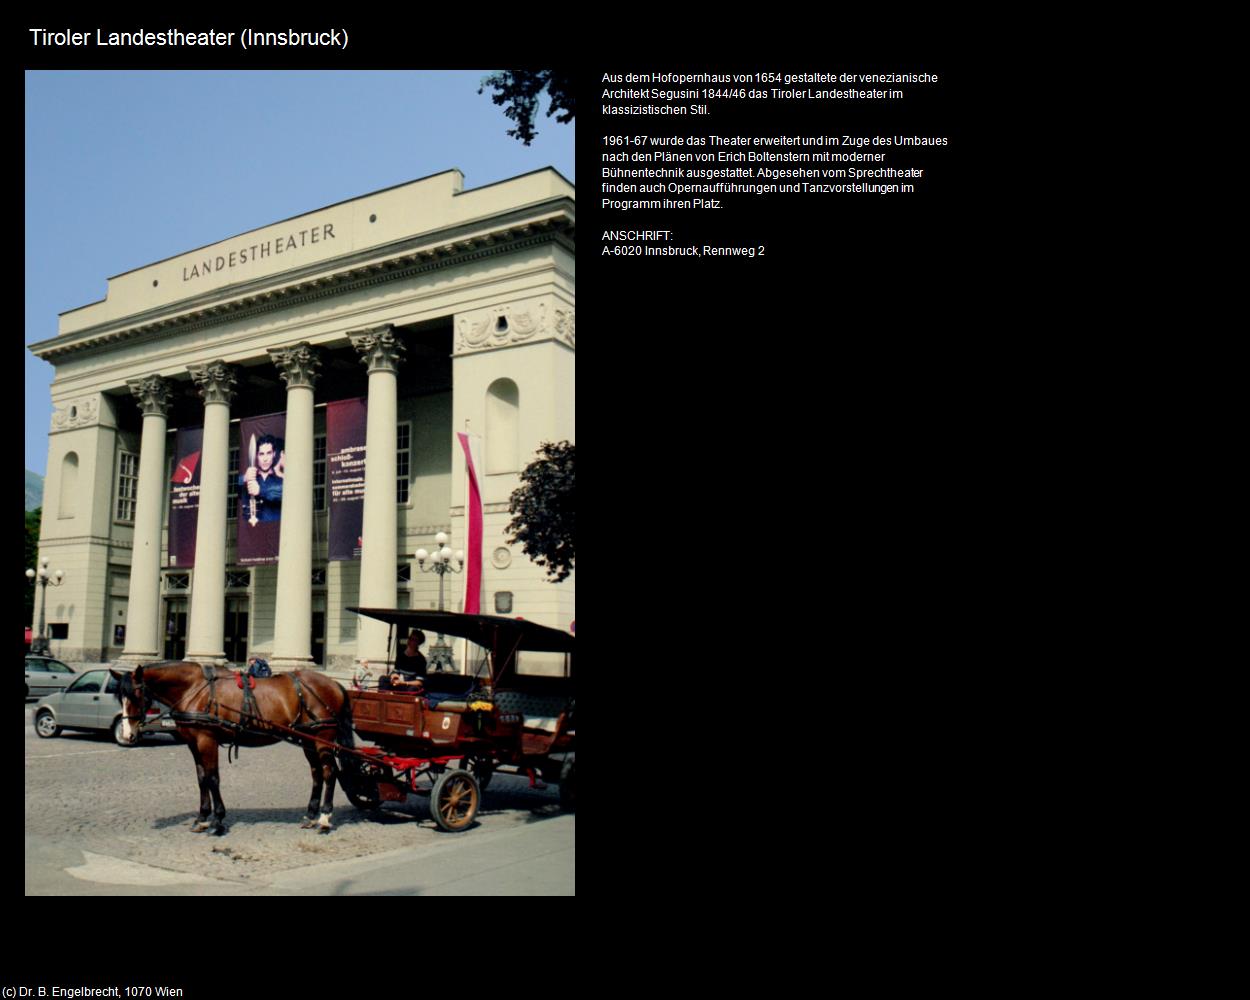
(346, 727)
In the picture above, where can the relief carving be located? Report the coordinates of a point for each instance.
(501, 327)
(76, 413)
(565, 327)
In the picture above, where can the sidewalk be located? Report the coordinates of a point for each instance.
(535, 860)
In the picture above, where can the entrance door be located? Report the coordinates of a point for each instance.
(319, 637)
(236, 629)
(176, 628)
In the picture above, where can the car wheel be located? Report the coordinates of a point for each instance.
(45, 725)
(119, 735)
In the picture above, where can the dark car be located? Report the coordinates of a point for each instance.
(45, 675)
(91, 703)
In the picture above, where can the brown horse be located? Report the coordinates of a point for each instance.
(211, 708)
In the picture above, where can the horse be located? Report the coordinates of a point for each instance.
(211, 708)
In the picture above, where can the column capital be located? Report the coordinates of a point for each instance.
(152, 394)
(379, 347)
(298, 365)
(216, 381)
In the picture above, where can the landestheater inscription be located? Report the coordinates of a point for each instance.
(258, 251)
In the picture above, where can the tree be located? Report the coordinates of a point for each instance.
(544, 510)
(32, 556)
(519, 89)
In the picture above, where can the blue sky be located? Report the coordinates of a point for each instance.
(127, 168)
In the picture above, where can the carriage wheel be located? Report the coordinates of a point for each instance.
(366, 800)
(453, 802)
(361, 789)
(568, 785)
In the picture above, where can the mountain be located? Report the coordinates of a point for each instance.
(34, 490)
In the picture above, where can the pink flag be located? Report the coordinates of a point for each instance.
(473, 518)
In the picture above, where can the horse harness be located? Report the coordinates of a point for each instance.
(251, 720)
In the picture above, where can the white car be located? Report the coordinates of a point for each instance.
(91, 703)
(45, 675)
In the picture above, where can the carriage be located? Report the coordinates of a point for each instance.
(450, 741)
(446, 742)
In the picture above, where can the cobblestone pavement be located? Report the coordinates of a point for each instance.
(138, 804)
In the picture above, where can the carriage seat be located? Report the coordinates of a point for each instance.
(538, 711)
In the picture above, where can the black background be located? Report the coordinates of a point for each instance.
(783, 459)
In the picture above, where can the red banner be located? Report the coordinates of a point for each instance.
(345, 476)
(262, 465)
(473, 519)
(184, 496)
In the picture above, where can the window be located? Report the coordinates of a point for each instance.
(232, 486)
(87, 683)
(405, 574)
(238, 579)
(404, 439)
(127, 486)
(319, 472)
(177, 581)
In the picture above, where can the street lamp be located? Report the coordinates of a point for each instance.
(40, 645)
(440, 652)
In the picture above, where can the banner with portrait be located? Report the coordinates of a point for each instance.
(184, 496)
(262, 466)
(346, 422)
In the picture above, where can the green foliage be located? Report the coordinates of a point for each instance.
(32, 556)
(544, 510)
(519, 89)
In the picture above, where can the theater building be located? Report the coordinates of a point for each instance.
(442, 318)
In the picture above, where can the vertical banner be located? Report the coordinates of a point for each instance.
(345, 475)
(472, 445)
(262, 458)
(184, 496)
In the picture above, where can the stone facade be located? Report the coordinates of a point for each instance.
(449, 309)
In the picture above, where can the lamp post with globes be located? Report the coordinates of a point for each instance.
(40, 645)
(440, 563)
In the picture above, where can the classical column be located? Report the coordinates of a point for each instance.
(292, 642)
(143, 605)
(381, 351)
(205, 631)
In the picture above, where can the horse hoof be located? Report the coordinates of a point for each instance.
(308, 824)
(219, 831)
(324, 829)
(198, 827)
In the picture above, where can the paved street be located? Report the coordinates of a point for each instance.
(103, 820)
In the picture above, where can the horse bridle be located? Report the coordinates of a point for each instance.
(138, 699)
(141, 699)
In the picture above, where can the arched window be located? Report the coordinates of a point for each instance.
(502, 426)
(69, 485)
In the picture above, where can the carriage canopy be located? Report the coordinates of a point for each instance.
(503, 637)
